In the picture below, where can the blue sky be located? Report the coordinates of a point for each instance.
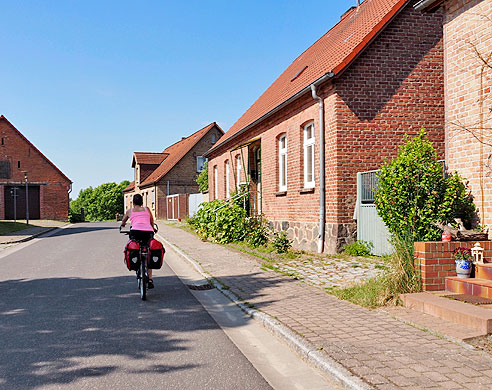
(89, 82)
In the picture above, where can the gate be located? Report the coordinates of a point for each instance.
(20, 202)
(194, 202)
(177, 206)
(370, 226)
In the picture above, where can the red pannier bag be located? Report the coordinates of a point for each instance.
(132, 255)
(156, 257)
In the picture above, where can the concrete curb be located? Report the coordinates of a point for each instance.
(303, 348)
(28, 238)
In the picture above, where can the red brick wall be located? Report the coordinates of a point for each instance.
(436, 262)
(394, 87)
(53, 185)
(468, 26)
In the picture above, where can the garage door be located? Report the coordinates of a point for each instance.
(20, 202)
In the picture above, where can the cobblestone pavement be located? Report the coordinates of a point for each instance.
(382, 351)
(332, 272)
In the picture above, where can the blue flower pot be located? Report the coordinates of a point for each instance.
(463, 268)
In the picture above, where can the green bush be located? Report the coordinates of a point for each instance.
(202, 179)
(228, 224)
(413, 192)
(281, 242)
(257, 234)
(74, 217)
(359, 248)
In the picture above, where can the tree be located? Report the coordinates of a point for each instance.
(413, 192)
(100, 203)
(202, 179)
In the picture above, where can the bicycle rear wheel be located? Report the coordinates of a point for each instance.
(143, 281)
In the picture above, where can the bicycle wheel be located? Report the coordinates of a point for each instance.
(143, 281)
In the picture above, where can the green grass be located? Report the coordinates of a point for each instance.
(9, 227)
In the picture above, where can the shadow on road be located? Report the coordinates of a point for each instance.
(84, 228)
(46, 341)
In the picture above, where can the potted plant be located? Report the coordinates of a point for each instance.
(463, 260)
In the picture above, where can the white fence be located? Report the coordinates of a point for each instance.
(194, 202)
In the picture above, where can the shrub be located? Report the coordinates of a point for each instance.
(281, 242)
(227, 224)
(257, 234)
(413, 193)
(359, 248)
(202, 179)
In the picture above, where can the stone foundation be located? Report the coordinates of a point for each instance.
(304, 235)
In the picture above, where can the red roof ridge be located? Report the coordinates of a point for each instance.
(35, 148)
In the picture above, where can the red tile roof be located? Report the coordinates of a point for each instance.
(176, 152)
(148, 158)
(36, 149)
(333, 52)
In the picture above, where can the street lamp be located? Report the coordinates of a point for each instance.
(27, 198)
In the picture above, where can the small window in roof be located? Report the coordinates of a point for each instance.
(299, 73)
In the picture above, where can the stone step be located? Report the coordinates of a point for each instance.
(461, 313)
(483, 271)
(471, 286)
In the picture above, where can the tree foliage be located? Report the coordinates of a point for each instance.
(202, 179)
(413, 192)
(100, 203)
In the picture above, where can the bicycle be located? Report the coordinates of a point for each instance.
(142, 272)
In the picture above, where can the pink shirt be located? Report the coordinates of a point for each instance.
(141, 220)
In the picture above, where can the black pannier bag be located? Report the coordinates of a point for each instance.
(132, 255)
(156, 256)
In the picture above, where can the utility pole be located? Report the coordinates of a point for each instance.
(27, 198)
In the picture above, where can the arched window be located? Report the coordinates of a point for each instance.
(216, 182)
(238, 170)
(282, 163)
(227, 180)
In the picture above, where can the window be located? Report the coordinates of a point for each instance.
(309, 155)
(18, 164)
(216, 183)
(200, 162)
(282, 163)
(214, 138)
(153, 199)
(227, 180)
(238, 171)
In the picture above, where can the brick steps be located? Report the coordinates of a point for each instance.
(461, 313)
(473, 286)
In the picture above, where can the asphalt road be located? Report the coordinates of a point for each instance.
(71, 318)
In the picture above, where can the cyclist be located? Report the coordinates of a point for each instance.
(142, 225)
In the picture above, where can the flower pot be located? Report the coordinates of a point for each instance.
(463, 268)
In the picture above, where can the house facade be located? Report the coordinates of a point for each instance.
(47, 187)
(158, 175)
(341, 107)
(467, 30)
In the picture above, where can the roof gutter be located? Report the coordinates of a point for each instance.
(306, 89)
(427, 5)
(322, 206)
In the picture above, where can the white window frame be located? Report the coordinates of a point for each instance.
(227, 180)
(238, 170)
(216, 182)
(282, 163)
(309, 157)
(200, 162)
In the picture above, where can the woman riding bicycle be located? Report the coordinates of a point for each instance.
(142, 225)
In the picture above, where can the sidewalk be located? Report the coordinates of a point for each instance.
(383, 352)
(30, 233)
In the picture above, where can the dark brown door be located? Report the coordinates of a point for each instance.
(20, 202)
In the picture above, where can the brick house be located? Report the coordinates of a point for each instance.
(48, 187)
(376, 75)
(467, 27)
(157, 175)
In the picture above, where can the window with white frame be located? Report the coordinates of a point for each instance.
(227, 180)
(216, 183)
(309, 155)
(200, 162)
(238, 170)
(282, 163)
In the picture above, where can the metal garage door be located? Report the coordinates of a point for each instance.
(15, 197)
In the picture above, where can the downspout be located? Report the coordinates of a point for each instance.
(322, 211)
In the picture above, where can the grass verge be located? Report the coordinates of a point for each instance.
(9, 227)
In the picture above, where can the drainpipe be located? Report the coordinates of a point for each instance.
(322, 212)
